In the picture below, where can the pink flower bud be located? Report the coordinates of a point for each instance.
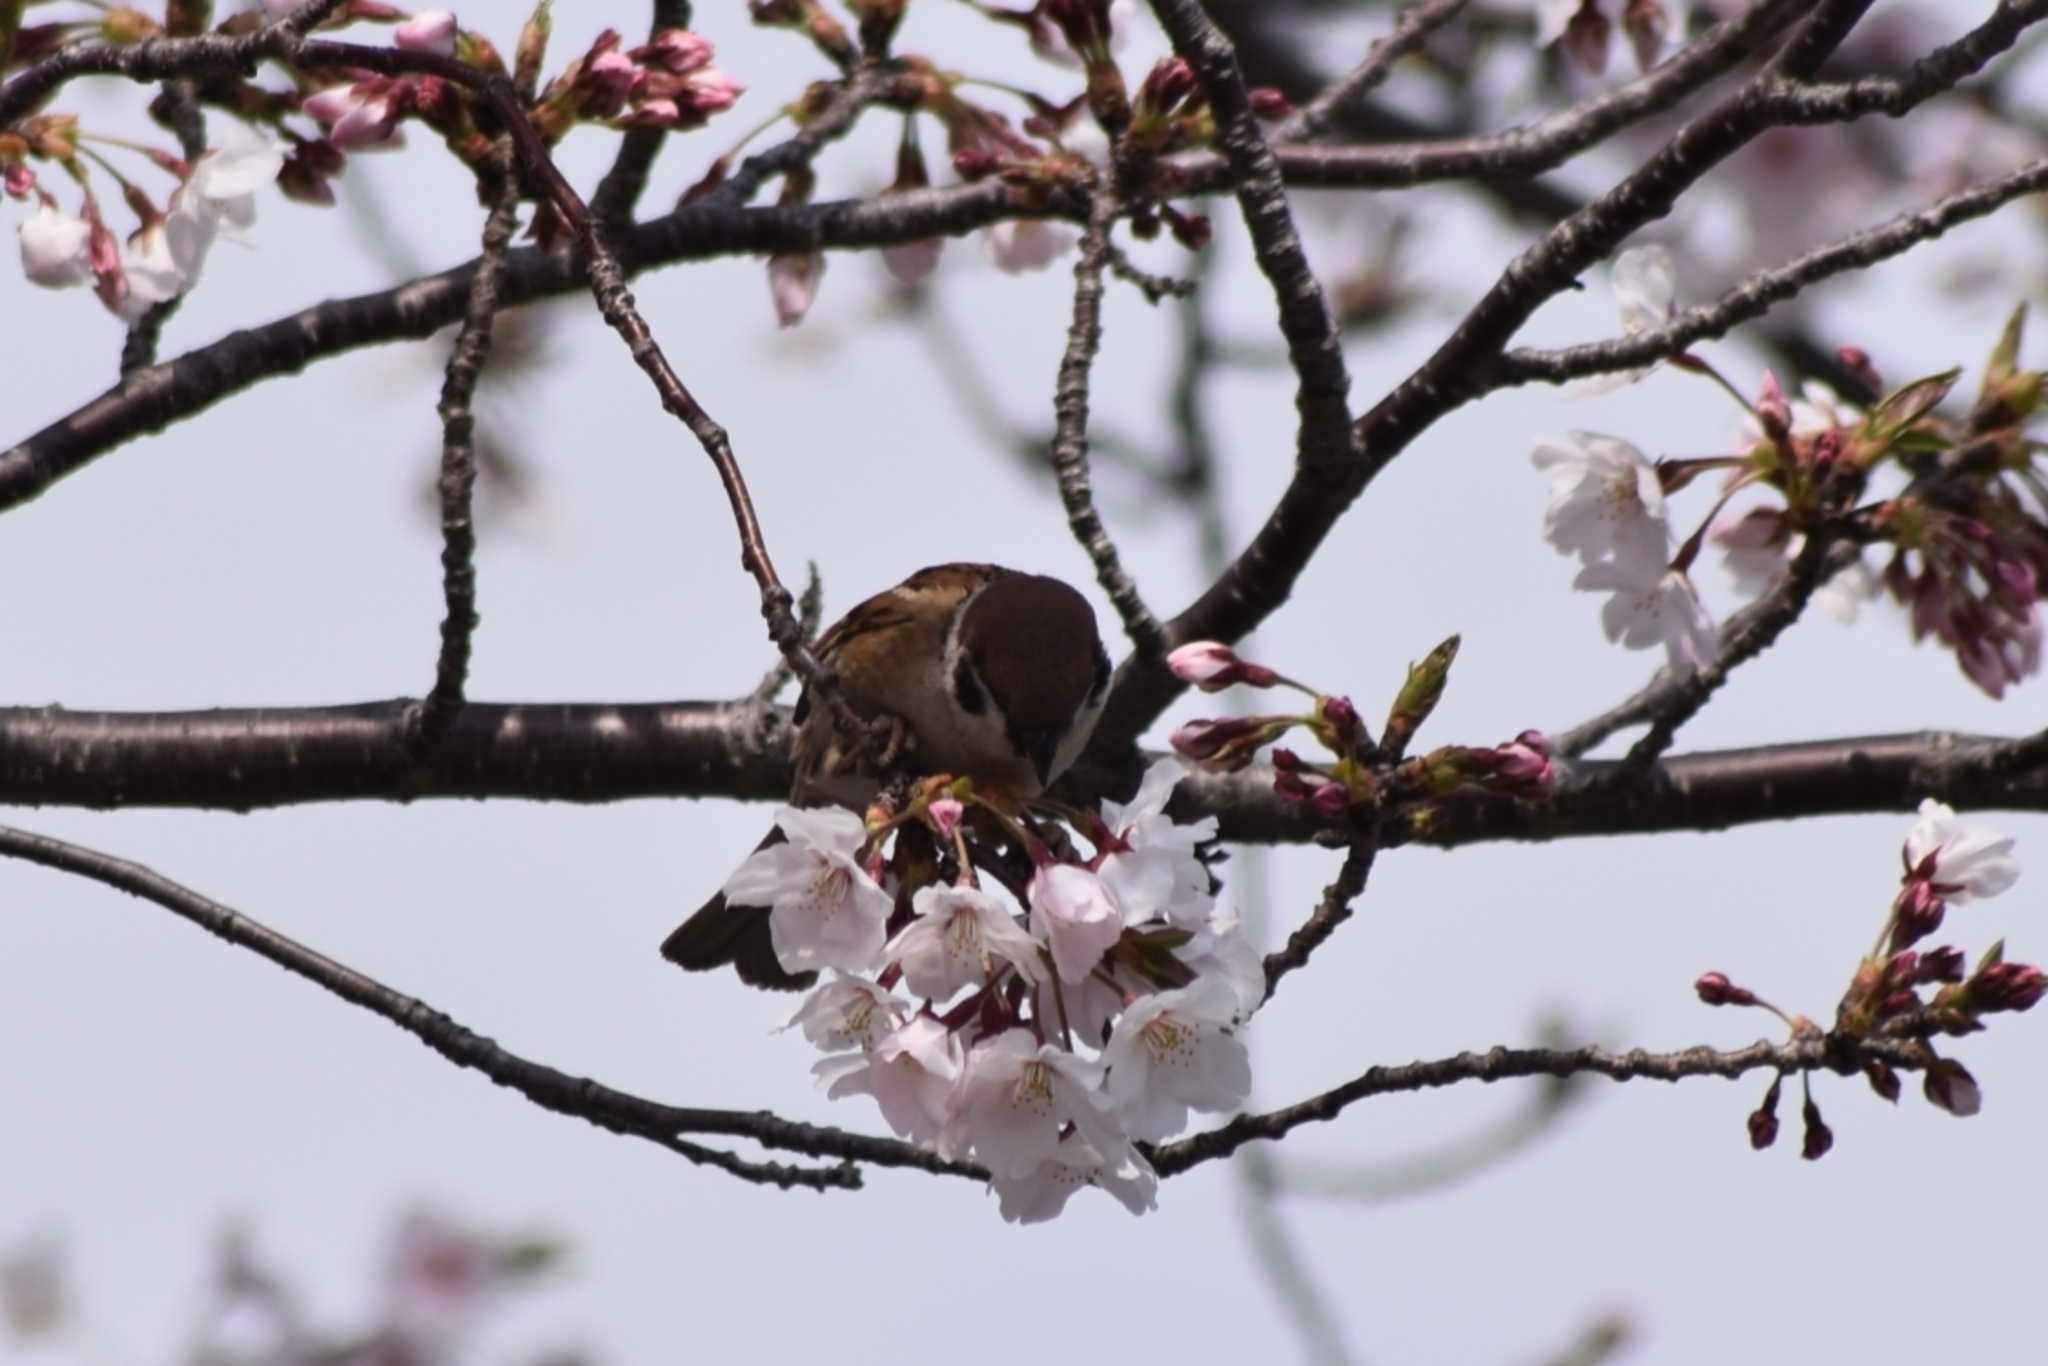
(1270, 104)
(1918, 912)
(431, 31)
(675, 50)
(2007, 986)
(1772, 410)
(1290, 788)
(793, 283)
(1949, 1085)
(20, 178)
(972, 163)
(1715, 989)
(1213, 666)
(945, 815)
(1340, 716)
(1331, 801)
(1944, 964)
(1287, 761)
(1217, 746)
(1883, 1080)
(1856, 361)
(608, 81)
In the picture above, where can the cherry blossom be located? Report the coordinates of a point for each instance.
(911, 1072)
(359, 116)
(1043, 1192)
(54, 248)
(912, 263)
(1027, 244)
(1174, 1052)
(1015, 1096)
(848, 1012)
(1076, 916)
(1605, 501)
(1156, 871)
(431, 31)
(1663, 610)
(1961, 863)
(958, 937)
(824, 909)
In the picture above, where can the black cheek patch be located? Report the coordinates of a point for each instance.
(967, 688)
(1101, 672)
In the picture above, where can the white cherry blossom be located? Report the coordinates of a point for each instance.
(1605, 502)
(959, 935)
(1659, 610)
(824, 910)
(1158, 874)
(1042, 1193)
(911, 1073)
(848, 1012)
(1176, 1051)
(1968, 863)
(1013, 1099)
(1222, 952)
(1076, 916)
(54, 248)
(1027, 244)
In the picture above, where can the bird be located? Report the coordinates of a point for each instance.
(991, 674)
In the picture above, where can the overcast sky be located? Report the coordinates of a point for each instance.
(278, 550)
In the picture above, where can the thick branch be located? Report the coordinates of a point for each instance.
(260, 758)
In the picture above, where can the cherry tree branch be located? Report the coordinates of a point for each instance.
(1465, 367)
(546, 1087)
(1070, 432)
(1333, 910)
(1755, 295)
(1831, 1053)
(1410, 32)
(458, 456)
(1674, 696)
(244, 759)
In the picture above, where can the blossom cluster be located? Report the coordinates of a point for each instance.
(1005, 1000)
(1362, 775)
(1968, 526)
(667, 82)
(1902, 992)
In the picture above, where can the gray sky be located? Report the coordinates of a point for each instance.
(275, 550)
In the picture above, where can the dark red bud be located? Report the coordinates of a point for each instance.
(1818, 1137)
(1270, 104)
(1883, 1079)
(972, 163)
(1944, 964)
(1715, 989)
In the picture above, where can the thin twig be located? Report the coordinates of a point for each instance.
(580, 1097)
(466, 362)
(1498, 1064)
(1753, 297)
(1333, 910)
(1673, 697)
(1155, 287)
(1410, 32)
(1070, 433)
(810, 612)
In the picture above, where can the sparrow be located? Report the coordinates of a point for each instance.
(988, 673)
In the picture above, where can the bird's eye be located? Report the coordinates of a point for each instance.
(1101, 672)
(967, 690)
